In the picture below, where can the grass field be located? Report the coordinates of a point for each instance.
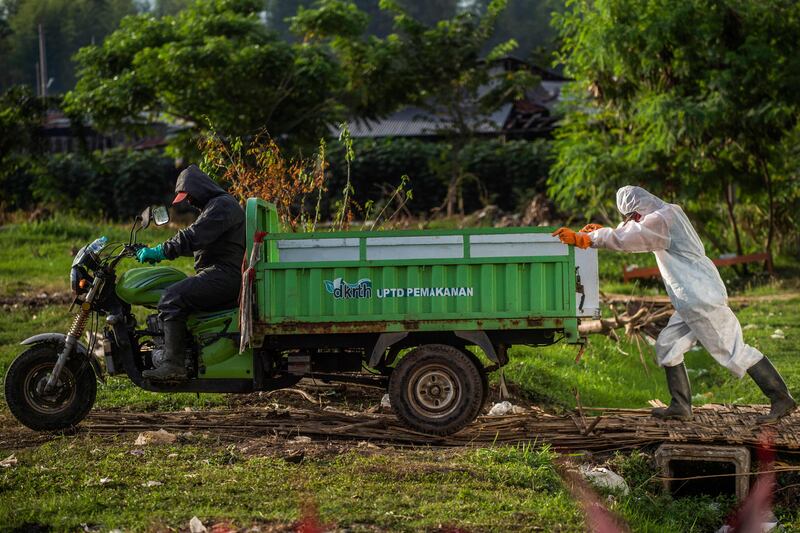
(103, 482)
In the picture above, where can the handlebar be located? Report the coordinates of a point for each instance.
(129, 250)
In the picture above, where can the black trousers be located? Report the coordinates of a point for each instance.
(212, 289)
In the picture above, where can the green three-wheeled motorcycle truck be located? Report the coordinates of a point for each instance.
(396, 309)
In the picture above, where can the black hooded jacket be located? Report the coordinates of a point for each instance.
(217, 236)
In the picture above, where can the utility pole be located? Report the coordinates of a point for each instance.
(42, 78)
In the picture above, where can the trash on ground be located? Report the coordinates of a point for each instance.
(605, 478)
(9, 461)
(778, 334)
(386, 403)
(155, 437)
(149, 484)
(750, 326)
(196, 526)
(771, 524)
(505, 408)
(703, 397)
(105, 480)
(300, 439)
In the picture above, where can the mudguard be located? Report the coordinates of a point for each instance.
(60, 338)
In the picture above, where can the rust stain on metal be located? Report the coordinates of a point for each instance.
(382, 326)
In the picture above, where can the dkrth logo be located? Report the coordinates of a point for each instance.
(340, 289)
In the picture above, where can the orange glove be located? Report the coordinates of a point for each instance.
(588, 228)
(567, 236)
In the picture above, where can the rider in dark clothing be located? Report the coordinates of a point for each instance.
(216, 239)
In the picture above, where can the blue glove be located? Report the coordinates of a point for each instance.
(151, 255)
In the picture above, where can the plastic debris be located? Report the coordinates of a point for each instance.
(149, 484)
(386, 403)
(778, 334)
(9, 461)
(196, 526)
(750, 326)
(506, 408)
(500, 409)
(105, 480)
(155, 437)
(703, 397)
(766, 527)
(300, 439)
(604, 478)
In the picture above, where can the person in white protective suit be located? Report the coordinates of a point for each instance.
(697, 294)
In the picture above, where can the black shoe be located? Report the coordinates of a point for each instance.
(173, 367)
(166, 372)
(680, 408)
(772, 385)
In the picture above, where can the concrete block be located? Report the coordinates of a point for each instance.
(721, 468)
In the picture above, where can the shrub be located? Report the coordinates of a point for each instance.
(117, 183)
(505, 173)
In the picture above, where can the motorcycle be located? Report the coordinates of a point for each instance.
(53, 384)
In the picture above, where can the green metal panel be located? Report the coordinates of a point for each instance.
(219, 354)
(442, 294)
(145, 285)
(420, 292)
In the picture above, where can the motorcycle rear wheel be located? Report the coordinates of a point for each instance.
(61, 409)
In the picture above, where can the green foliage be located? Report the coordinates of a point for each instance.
(67, 24)
(117, 183)
(21, 117)
(212, 63)
(408, 67)
(504, 173)
(694, 99)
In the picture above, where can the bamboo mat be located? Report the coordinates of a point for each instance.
(592, 429)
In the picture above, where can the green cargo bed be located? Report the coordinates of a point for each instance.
(394, 281)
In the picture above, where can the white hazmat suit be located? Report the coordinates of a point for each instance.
(692, 281)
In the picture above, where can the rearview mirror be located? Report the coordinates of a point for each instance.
(160, 214)
(145, 218)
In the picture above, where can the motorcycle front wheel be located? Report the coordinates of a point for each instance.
(62, 408)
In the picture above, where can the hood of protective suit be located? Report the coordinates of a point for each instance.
(635, 199)
(198, 185)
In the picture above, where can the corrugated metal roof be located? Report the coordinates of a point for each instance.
(418, 122)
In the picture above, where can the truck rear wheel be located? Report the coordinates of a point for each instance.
(437, 389)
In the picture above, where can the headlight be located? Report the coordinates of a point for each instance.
(86, 258)
(78, 274)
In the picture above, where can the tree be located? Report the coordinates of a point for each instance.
(161, 8)
(21, 118)
(695, 99)
(528, 23)
(214, 63)
(67, 25)
(439, 68)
